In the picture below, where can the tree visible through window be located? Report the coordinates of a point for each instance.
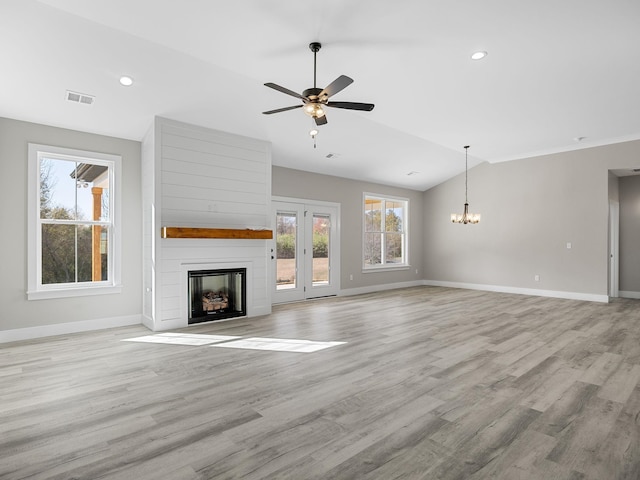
(74, 218)
(384, 231)
(74, 224)
(286, 239)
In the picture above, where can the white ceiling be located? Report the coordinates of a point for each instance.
(556, 70)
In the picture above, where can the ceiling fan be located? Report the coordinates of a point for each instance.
(315, 99)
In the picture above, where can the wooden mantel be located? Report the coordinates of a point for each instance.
(187, 232)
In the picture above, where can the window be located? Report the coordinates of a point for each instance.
(74, 242)
(385, 232)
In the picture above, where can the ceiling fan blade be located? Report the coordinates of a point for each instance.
(285, 90)
(367, 107)
(321, 120)
(278, 110)
(336, 86)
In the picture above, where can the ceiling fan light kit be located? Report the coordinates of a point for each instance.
(314, 100)
(314, 110)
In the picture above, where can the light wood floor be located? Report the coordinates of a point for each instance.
(433, 383)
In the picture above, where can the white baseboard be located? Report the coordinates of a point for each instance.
(627, 294)
(589, 297)
(260, 311)
(30, 333)
(168, 324)
(176, 323)
(345, 292)
(147, 321)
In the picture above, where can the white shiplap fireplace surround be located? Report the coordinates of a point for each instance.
(202, 178)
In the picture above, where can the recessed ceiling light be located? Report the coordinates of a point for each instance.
(478, 55)
(126, 81)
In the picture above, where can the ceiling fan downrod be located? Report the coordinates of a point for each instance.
(315, 48)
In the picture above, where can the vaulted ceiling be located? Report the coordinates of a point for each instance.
(559, 75)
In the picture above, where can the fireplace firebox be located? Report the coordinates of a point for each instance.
(217, 294)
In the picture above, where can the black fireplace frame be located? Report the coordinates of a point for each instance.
(237, 307)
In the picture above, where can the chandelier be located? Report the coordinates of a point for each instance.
(466, 217)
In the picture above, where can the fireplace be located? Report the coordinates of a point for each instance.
(216, 294)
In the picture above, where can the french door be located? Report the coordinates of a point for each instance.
(305, 251)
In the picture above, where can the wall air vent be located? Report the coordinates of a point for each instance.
(81, 98)
(636, 170)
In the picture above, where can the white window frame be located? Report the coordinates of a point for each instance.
(405, 235)
(35, 289)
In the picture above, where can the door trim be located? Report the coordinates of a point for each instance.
(614, 249)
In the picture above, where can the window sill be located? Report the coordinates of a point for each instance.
(393, 268)
(73, 292)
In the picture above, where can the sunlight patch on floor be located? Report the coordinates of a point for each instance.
(279, 344)
(227, 341)
(182, 338)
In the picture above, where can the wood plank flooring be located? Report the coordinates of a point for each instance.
(434, 383)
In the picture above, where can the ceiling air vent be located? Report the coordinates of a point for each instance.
(82, 98)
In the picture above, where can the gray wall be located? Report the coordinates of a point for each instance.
(348, 193)
(614, 187)
(17, 312)
(629, 189)
(530, 209)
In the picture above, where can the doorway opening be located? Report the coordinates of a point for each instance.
(614, 248)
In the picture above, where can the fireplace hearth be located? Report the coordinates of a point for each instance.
(217, 294)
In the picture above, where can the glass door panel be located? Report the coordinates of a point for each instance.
(321, 245)
(286, 242)
(287, 253)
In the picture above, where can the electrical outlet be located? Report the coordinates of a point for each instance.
(569, 245)
(351, 277)
(536, 278)
(416, 271)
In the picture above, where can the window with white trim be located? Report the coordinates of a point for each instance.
(74, 241)
(385, 232)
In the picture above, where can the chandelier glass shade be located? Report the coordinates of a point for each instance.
(465, 217)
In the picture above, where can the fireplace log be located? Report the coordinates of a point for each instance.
(214, 301)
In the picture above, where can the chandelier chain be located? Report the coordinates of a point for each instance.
(466, 217)
(466, 173)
